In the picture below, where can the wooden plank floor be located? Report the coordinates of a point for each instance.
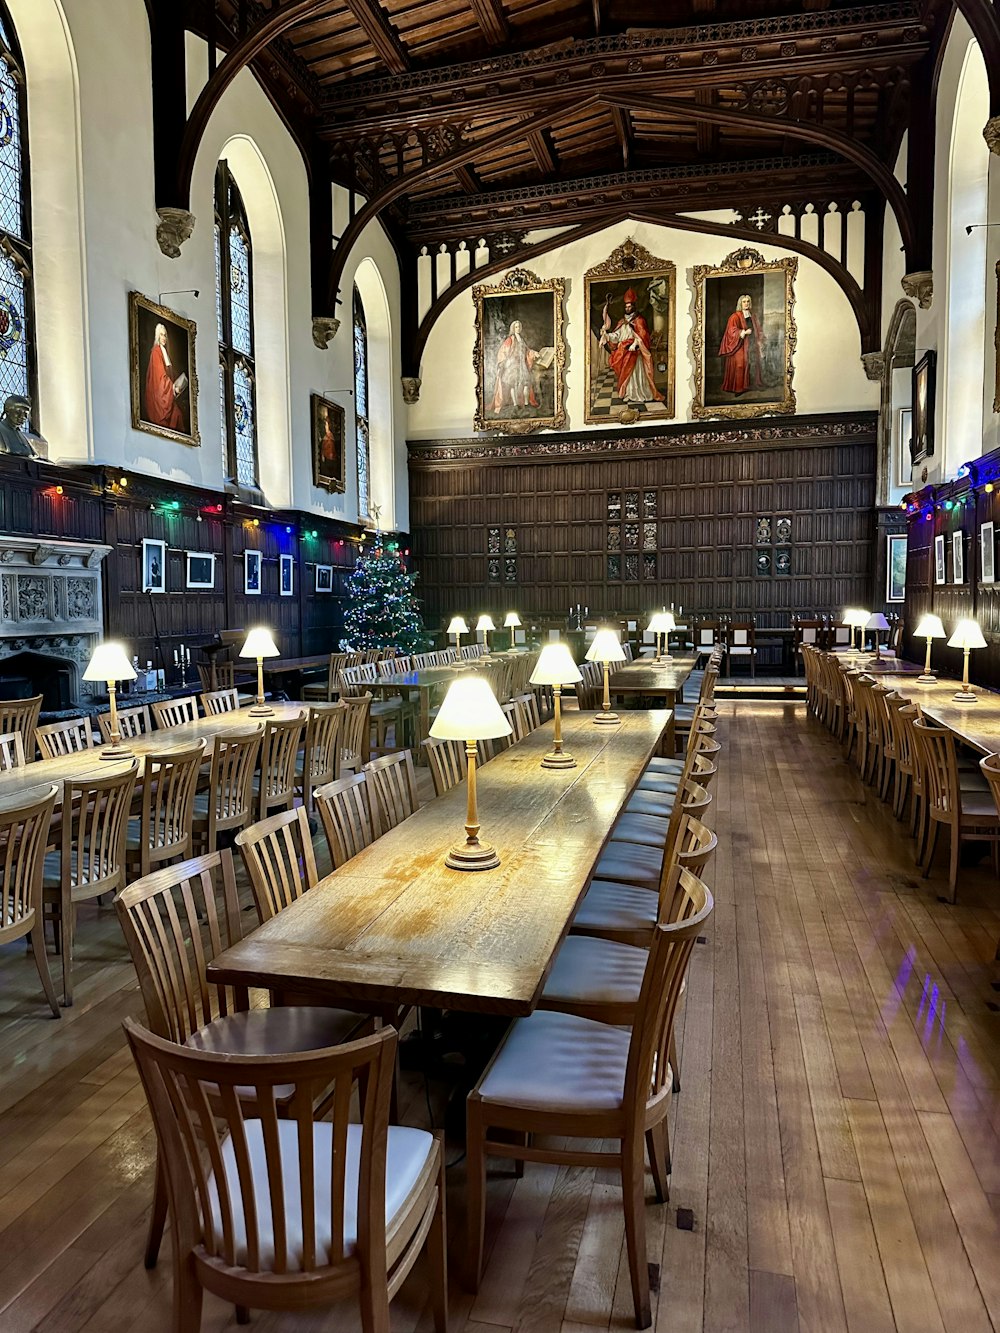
(836, 1135)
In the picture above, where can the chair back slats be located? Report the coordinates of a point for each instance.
(393, 782)
(215, 702)
(94, 825)
(357, 731)
(72, 736)
(175, 921)
(230, 791)
(324, 737)
(349, 821)
(282, 738)
(446, 760)
(132, 722)
(22, 715)
(175, 712)
(514, 714)
(278, 855)
(940, 768)
(168, 789)
(11, 751)
(529, 704)
(234, 1178)
(24, 829)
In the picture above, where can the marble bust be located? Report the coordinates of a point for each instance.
(14, 438)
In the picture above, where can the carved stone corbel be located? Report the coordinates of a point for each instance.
(40, 554)
(173, 229)
(919, 287)
(324, 330)
(991, 133)
(411, 389)
(874, 364)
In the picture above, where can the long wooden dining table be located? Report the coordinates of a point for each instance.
(396, 926)
(663, 681)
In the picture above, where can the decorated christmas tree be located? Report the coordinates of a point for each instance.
(381, 608)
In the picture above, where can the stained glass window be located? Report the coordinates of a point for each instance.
(361, 403)
(17, 352)
(234, 317)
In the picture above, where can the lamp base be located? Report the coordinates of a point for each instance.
(666, 657)
(927, 680)
(965, 697)
(608, 719)
(261, 710)
(117, 752)
(558, 760)
(472, 856)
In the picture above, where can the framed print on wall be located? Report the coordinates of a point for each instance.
(987, 552)
(996, 348)
(200, 569)
(922, 436)
(895, 590)
(939, 568)
(286, 579)
(903, 448)
(324, 578)
(630, 302)
(957, 557)
(163, 373)
(251, 573)
(519, 353)
(743, 339)
(327, 443)
(154, 565)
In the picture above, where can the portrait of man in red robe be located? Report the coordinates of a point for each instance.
(165, 385)
(742, 350)
(629, 348)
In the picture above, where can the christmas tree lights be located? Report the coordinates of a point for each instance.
(381, 608)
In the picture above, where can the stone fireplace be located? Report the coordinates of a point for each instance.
(51, 617)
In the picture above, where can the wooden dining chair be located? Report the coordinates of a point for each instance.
(11, 751)
(628, 862)
(278, 755)
(564, 1077)
(393, 785)
(175, 922)
(970, 815)
(349, 820)
(514, 714)
(91, 856)
(71, 736)
(175, 712)
(163, 831)
(279, 860)
(446, 760)
(24, 832)
(293, 1212)
(227, 805)
(215, 702)
(357, 731)
(322, 749)
(21, 715)
(326, 691)
(529, 705)
(132, 722)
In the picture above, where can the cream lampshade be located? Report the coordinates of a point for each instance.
(660, 622)
(605, 649)
(470, 713)
(512, 621)
(260, 644)
(485, 623)
(930, 628)
(555, 667)
(877, 622)
(967, 636)
(458, 627)
(109, 662)
(857, 619)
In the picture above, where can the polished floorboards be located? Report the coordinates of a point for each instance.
(836, 1139)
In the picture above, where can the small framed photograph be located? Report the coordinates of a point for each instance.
(987, 549)
(903, 451)
(939, 570)
(200, 569)
(251, 573)
(324, 578)
(895, 579)
(958, 557)
(286, 582)
(154, 565)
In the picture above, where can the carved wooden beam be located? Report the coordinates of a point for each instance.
(468, 180)
(492, 21)
(541, 151)
(707, 134)
(623, 129)
(382, 35)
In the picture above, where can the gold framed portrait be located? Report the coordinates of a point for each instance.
(631, 301)
(520, 353)
(743, 341)
(163, 371)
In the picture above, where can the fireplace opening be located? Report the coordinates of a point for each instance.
(26, 674)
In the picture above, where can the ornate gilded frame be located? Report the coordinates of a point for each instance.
(162, 314)
(520, 282)
(748, 262)
(632, 262)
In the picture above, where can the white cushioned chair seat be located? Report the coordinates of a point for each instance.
(630, 863)
(596, 971)
(407, 1154)
(559, 1062)
(658, 764)
(282, 1030)
(643, 802)
(666, 783)
(647, 830)
(610, 906)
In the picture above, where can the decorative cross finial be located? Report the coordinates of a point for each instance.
(759, 218)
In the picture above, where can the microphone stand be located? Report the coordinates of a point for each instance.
(157, 641)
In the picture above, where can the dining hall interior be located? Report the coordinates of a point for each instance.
(499, 666)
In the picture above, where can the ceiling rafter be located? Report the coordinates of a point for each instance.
(382, 35)
(541, 150)
(492, 21)
(623, 130)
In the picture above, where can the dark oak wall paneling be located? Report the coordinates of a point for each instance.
(709, 483)
(95, 506)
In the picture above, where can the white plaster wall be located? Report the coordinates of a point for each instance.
(828, 371)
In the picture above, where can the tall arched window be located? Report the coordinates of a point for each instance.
(234, 315)
(17, 352)
(361, 404)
